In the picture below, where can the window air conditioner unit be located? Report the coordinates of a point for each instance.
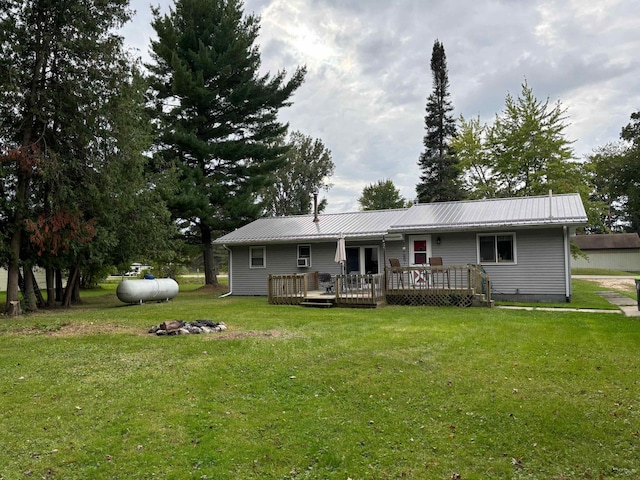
(303, 262)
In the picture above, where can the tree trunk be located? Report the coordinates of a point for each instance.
(14, 309)
(22, 175)
(13, 274)
(71, 283)
(51, 287)
(75, 291)
(30, 300)
(210, 270)
(59, 288)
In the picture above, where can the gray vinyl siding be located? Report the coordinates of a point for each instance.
(540, 267)
(615, 259)
(281, 259)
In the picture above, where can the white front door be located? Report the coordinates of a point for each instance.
(419, 249)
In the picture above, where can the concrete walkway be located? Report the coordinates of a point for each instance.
(561, 309)
(627, 305)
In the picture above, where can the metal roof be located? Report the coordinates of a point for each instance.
(607, 241)
(465, 215)
(494, 213)
(369, 224)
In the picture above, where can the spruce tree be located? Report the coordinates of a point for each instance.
(439, 179)
(217, 117)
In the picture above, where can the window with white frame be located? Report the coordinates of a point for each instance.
(257, 257)
(497, 248)
(304, 255)
(419, 250)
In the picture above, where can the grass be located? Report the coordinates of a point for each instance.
(293, 393)
(583, 296)
(601, 271)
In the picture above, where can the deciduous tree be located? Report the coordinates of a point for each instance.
(382, 195)
(529, 152)
(471, 150)
(630, 173)
(66, 123)
(602, 171)
(306, 170)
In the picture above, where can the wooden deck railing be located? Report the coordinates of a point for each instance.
(461, 285)
(444, 285)
(291, 289)
(360, 289)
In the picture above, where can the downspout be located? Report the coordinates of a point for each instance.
(229, 272)
(567, 265)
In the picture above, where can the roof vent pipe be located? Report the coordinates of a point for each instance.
(550, 203)
(315, 207)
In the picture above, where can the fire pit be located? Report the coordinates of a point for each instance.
(195, 327)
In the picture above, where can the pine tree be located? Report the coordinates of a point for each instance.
(217, 115)
(438, 164)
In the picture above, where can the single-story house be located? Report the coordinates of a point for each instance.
(523, 243)
(613, 251)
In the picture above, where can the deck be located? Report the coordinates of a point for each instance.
(459, 285)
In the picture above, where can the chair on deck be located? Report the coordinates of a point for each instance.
(395, 264)
(326, 281)
(437, 267)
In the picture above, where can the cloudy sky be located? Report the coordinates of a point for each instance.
(369, 76)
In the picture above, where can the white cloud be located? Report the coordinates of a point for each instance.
(368, 71)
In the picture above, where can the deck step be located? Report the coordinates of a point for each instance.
(318, 303)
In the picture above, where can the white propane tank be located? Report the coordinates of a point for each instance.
(138, 291)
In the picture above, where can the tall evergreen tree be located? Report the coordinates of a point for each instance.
(217, 116)
(439, 180)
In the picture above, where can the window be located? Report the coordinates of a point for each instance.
(498, 248)
(420, 251)
(304, 255)
(257, 257)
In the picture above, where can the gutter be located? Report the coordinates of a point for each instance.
(567, 265)
(229, 276)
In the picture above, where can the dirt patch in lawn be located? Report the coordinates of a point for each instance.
(227, 335)
(217, 289)
(77, 329)
(616, 283)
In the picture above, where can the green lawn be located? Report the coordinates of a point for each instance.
(583, 296)
(601, 271)
(293, 393)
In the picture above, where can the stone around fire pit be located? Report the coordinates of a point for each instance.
(180, 327)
